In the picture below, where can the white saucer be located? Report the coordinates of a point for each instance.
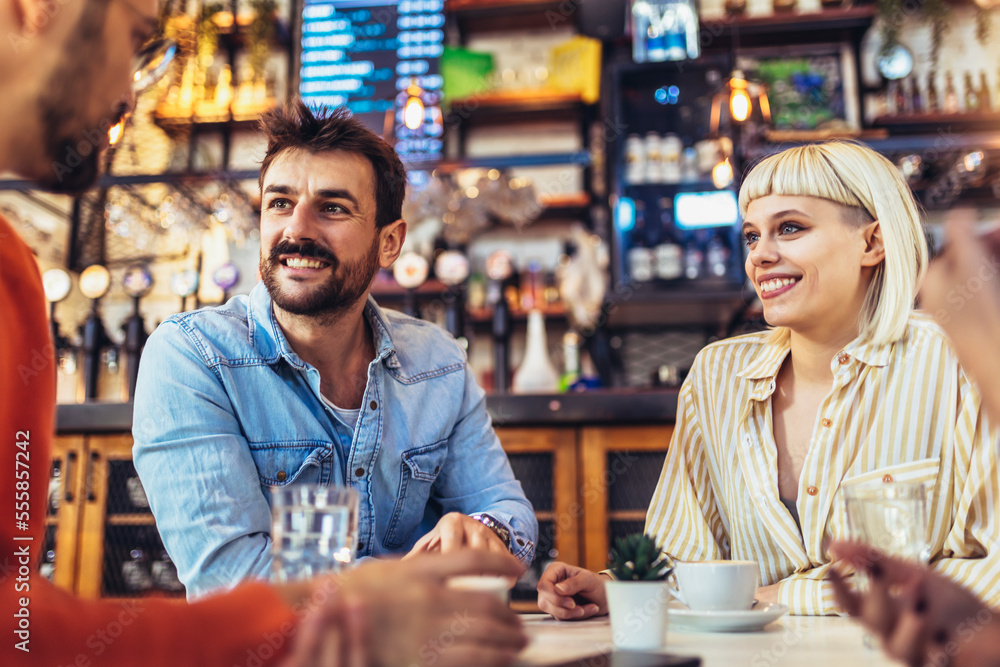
(724, 621)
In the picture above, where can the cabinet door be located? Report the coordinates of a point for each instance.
(544, 461)
(121, 552)
(620, 466)
(62, 517)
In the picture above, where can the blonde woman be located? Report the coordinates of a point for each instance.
(849, 386)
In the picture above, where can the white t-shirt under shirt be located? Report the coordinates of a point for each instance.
(348, 417)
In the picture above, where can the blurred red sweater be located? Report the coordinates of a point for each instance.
(43, 625)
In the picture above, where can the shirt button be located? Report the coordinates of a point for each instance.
(827, 423)
(361, 547)
(812, 490)
(281, 476)
(359, 472)
(373, 405)
(887, 478)
(843, 359)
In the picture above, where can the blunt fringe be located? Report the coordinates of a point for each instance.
(294, 125)
(870, 186)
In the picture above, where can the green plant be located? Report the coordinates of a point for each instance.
(638, 558)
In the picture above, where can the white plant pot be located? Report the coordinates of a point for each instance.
(638, 611)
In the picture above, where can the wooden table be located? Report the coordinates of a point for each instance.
(793, 640)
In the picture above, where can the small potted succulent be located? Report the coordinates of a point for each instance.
(638, 597)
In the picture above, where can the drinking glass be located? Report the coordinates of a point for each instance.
(314, 530)
(892, 517)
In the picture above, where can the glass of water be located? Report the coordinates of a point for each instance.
(314, 530)
(891, 517)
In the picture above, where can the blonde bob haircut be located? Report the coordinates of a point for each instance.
(871, 188)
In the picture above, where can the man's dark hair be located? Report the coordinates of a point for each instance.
(295, 125)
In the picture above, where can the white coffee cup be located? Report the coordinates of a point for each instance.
(716, 585)
(499, 587)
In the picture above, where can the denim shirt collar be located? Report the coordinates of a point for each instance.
(269, 340)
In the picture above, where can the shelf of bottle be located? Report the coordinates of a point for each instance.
(923, 122)
(133, 519)
(574, 158)
(700, 183)
(552, 312)
(178, 124)
(503, 15)
(834, 18)
(515, 105)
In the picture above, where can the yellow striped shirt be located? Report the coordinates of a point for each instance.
(905, 409)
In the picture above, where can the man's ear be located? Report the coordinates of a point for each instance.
(390, 244)
(874, 247)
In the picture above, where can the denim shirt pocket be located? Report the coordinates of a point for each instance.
(282, 463)
(418, 471)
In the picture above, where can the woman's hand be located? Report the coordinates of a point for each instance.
(921, 617)
(571, 593)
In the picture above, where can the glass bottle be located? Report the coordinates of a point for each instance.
(536, 374)
(933, 103)
(971, 96)
(950, 95)
(984, 93)
(916, 101)
(902, 101)
(135, 572)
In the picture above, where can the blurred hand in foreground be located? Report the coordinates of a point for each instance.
(962, 292)
(572, 593)
(398, 613)
(921, 617)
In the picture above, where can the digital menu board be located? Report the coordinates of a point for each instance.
(372, 57)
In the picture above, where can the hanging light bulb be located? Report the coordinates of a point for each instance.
(413, 110)
(115, 133)
(722, 174)
(739, 98)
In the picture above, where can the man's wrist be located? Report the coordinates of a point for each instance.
(494, 524)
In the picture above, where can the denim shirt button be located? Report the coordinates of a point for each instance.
(374, 405)
(361, 546)
(281, 476)
(520, 542)
(359, 472)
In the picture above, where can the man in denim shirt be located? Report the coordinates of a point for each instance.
(308, 380)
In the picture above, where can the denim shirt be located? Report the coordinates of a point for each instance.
(225, 409)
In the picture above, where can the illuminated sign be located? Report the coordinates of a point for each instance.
(372, 57)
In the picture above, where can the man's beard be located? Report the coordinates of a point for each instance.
(74, 152)
(332, 297)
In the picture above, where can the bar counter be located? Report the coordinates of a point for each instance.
(602, 406)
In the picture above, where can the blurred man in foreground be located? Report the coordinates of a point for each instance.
(65, 77)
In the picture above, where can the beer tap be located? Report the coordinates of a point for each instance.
(138, 282)
(225, 278)
(94, 284)
(499, 269)
(452, 268)
(410, 271)
(184, 284)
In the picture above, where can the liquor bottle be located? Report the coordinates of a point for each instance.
(717, 256)
(692, 260)
(971, 96)
(950, 95)
(135, 572)
(640, 258)
(984, 93)
(536, 374)
(933, 103)
(571, 361)
(164, 574)
(902, 100)
(916, 101)
(669, 254)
